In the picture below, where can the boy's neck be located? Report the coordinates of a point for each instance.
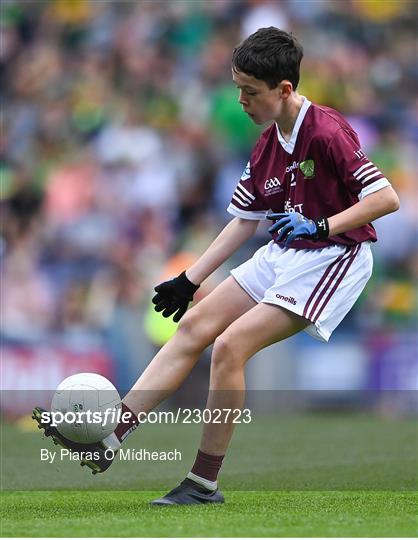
(289, 114)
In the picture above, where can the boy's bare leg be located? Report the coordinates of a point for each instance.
(198, 329)
(257, 328)
(254, 330)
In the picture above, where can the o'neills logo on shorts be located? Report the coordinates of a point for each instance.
(289, 299)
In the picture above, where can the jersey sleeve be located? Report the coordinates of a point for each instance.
(245, 202)
(359, 174)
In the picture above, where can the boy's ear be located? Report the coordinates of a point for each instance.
(286, 88)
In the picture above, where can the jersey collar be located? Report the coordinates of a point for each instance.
(290, 146)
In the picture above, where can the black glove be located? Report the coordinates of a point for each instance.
(174, 296)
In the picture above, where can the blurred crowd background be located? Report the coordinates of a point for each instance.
(121, 143)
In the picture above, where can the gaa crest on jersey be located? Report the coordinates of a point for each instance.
(308, 168)
(272, 186)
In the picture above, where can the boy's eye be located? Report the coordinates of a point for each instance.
(248, 92)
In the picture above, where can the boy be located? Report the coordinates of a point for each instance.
(308, 174)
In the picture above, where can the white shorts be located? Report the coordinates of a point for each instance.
(321, 285)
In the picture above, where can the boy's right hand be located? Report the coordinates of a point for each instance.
(173, 296)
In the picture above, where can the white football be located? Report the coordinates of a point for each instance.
(85, 407)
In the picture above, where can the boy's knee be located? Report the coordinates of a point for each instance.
(225, 353)
(194, 330)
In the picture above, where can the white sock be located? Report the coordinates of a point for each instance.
(208, 484)
(111, 441)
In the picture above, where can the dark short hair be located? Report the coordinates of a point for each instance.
(271, 55)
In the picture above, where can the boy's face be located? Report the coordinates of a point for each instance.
(261, 103)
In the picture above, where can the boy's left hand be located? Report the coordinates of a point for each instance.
(291, 226)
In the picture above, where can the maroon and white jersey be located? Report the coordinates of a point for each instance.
(321, 171)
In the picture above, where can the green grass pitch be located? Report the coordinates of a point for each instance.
(307, 476)
(254, 513)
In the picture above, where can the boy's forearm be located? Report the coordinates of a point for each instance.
(226, 243)
(372, 207)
